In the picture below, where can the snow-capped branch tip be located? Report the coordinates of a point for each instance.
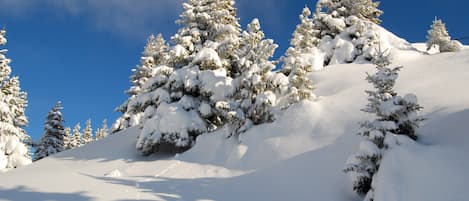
(381, 58)
(254, 26)
(306, 12)
(3, 34)
(58, 106)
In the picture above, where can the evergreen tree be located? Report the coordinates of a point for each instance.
(363, 9)
(155, 54)
(303, 46)
(438, 35)
(198, 79)
(253, 96)
(103, 131)
(75, 140)
(209, 34)
(87, 133)
(14, 140)
(67, 138)
(302, 58)
(54, 133)
(395, 115)
(340, 31)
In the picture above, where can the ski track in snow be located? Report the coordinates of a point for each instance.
(169, 168)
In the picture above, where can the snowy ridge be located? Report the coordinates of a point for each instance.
(299, 157)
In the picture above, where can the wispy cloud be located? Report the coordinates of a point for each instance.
(128, 17)
(138, 18)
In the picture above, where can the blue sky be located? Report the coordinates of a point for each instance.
(81, 51)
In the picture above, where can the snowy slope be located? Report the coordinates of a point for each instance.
(299, 157)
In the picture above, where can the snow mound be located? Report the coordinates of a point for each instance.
(114, 173)
(299, 157)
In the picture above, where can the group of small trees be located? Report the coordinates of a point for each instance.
(395, 115)
(213, 75)
(57, 138)
(339, 31)
(176, 82)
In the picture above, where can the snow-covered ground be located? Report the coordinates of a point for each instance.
(299, 157)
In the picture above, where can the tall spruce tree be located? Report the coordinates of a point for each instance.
(54, 133)
(395, 115)
(200, 74)
(253, 96)
(14, 141)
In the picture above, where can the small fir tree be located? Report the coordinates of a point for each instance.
(103, 131)
(75, 140)
(395, 115)
(87, 133)
(301, 58)
(303, 45)
(54, 133)
(68, 138)
(438, 36)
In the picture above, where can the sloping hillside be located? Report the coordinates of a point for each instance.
(299, 157)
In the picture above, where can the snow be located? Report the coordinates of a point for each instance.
(172, 119)
(315, 59)
(208, 54)
(299, 157)
(3, 40)
(216, 83)
(179, 51)
(114, 173)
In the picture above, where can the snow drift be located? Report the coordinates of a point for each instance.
(299, 157)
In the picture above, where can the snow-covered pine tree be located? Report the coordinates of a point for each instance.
(343, 31)
(395, 115)
(155, 54)
(364, 9)
(14, 141)
(208, 36)
(87, 133)
(103, 131)
(304, 44)
(302, 58)
(438, 36)
(53, 138)
(75, 140)
(199, 83)
(253, 96)
(67, 138)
